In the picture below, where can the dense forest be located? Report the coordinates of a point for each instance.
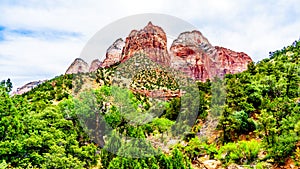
(258, 123)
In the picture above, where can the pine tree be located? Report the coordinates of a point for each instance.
(178, 161)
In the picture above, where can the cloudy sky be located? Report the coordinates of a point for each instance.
(40, 39)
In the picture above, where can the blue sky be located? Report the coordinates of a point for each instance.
(43, 34)
(39, 39)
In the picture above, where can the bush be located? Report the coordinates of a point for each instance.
(242, 152)
(197, 148)
(244, 124)
(283, 147)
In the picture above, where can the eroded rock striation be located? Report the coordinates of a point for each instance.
(191, 53)
(151, 40)
(231, 61)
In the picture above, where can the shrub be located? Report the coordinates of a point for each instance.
(242, 152)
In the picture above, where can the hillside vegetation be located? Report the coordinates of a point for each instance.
(258, 123)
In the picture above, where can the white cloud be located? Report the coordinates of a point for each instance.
(253, 26)
(28, 57)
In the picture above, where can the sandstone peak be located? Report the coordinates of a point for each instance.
(231, 61)
(96, 64)
(149, 23)
(191, 38)
(232, 53)
(190, 53)
(114, 53)
(79, 60)
(78, 66)
(117, 45)
(27, 87)
(151, 40)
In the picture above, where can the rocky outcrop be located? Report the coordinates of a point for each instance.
(27, 87)
(96, 64)
(192, 54)
(151, 40)
(114, 53)
(235, 166)
(78, 66)
(212, 164)
(232, 62)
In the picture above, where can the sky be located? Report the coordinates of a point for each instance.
(40, 39)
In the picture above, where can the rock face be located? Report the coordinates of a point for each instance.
(231, 61)
(212, 164)
(78, 66)
(151, 40)
(114, 53)
(192, 54)
(27, 87)
(96, 64)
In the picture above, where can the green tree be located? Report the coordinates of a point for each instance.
(251, 68)
(178, 160)
(164, 162)
(268, 126)
(225, 124)
(7, 85)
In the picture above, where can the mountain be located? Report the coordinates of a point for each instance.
(58, 124)
(27, 87)
(114, 53)
(231, 61)
(152, 40)
(96, 64)
(191, 53)
(78, 66)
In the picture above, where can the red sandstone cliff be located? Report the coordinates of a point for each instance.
(190, 53)
(231, 61)
(151, 40)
